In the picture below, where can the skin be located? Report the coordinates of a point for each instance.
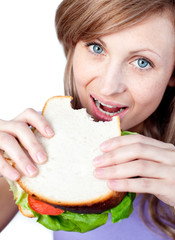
(112, 71)
(8, 209)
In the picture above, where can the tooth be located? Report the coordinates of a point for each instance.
(106, 105)
(107, 113)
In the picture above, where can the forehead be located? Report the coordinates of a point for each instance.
(156, 31)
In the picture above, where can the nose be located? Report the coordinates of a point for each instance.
(112, 79)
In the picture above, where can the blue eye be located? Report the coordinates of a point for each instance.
(96, 48)
(142, 63)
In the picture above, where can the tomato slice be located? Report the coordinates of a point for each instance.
(43, 208)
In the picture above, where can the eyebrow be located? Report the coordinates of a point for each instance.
(145, 50)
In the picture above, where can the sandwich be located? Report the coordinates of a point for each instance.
(65, 195)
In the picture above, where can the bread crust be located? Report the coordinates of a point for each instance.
(97, 205)
(25, 212)
(96, 208)
(71, 98)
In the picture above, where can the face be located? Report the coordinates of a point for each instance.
(126, 73)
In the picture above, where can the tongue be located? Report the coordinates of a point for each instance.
(110, 110)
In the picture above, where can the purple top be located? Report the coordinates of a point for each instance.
(131, 228)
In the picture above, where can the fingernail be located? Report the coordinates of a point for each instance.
(99, 172)
(49, 131)
(15, 176)
(41, 157)
(112, 184)
(105, 145)
(31, 170)
(98, 160)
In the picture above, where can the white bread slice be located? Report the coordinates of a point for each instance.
(66, 180)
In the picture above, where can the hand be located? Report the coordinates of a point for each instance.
(135, 163)
(17, 132)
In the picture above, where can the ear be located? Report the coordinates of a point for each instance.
(172, 80)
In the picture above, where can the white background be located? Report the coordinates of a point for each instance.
(32, 66)
(32, 61)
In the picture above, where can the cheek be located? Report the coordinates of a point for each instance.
(144, 103)
(82, 71)
(81, 78)
(147, 98)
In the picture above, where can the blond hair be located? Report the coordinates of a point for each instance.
(88, 20)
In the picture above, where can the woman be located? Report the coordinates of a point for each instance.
(120, 60)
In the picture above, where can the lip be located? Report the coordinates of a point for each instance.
(102, 116)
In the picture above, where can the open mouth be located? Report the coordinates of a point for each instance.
(106, 110)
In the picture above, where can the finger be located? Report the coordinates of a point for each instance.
(137, 168)
(7, 170)
(135, 151)
(11, 146)
(117, 142)
(28, 140)
(139, 185)
(36, 120)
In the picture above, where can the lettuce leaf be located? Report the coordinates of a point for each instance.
(75, 222)
(123, 133)
(124, 209)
